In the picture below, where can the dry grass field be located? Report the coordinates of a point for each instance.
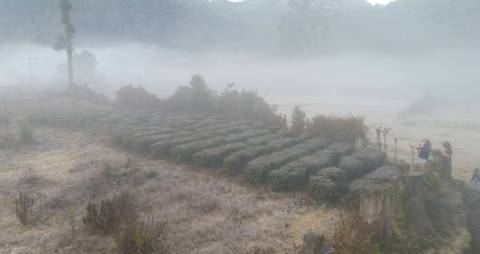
(202, 212)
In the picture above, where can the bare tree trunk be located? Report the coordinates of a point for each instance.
(70, 66)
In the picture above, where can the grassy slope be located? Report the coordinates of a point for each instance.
(205, 212)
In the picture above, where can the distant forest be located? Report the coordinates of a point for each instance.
(254, 25)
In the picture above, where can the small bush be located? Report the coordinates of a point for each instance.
(23, 208)
(246, 105)
(339, 129)
(110, 215)
(195, 98)
(141, 238)
(136, 98)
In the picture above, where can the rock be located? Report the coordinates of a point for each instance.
(472, 200)
(374, 193)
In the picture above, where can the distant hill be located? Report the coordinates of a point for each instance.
(199, 24)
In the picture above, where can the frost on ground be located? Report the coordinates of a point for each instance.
(204, 211)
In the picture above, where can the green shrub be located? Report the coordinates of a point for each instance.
(141, 238)
(339, 129)
(110, 215)
(23, 208)
(246, 105)
(214, 157)
(136, 98)
(195, 98)
(185, 152)
(199, 98)
(246, 135)
(236, 161)
(261, 140)
(259, 168)
(290, 177)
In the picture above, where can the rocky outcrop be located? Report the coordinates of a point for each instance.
(472, 201)
(374, 194)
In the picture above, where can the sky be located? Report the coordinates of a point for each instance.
(370, 1)
(380, 1)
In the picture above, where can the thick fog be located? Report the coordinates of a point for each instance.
(345, 56)
(365, 79)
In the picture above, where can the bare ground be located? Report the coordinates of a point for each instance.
(205, 211)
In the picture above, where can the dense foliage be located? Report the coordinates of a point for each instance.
(136, 97)
(199, 98)
(298, 120)
(339, 129)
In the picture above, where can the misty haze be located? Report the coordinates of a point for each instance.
(255, 126)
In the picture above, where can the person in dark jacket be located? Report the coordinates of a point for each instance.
(476, 176)
(425, 150)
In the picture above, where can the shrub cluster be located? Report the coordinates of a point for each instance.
(198, 98)
(259, 168)
(136, 97)
(245, 105)
(339, 129)
(195, 98)
(108, 216)
(119, 217)
(238, 160)
(141, 238)
(24, 204)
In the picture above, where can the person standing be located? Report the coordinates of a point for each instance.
(476, 177)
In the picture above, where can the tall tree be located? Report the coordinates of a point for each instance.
(298, 120)
(65, 40)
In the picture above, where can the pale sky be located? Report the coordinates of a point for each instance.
(370, 1)
(380, 1)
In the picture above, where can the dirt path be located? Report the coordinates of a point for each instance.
(205, 212)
